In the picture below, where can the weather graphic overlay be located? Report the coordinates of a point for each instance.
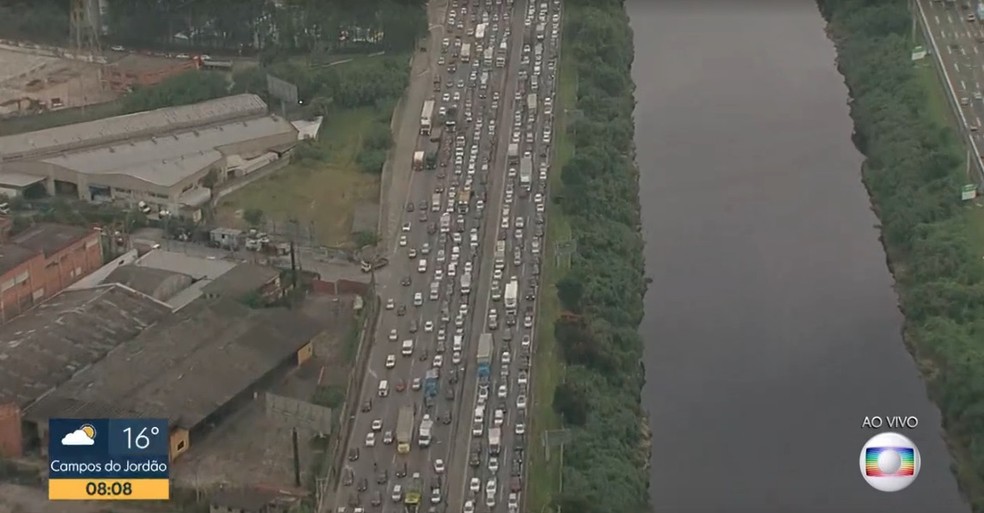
(108, 459)
(890, 462)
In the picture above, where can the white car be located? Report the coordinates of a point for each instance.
(456, 357)
(390, 304)
(526, 341)
(442, 335)
(377, 425)
(475, 485)
(388, 437)
(438, 360)
(523, 378)
(483, 395)
(490, 501)
(491, 487)
(493, 464)
(506, 358)
(428, 326)
(439, 466)
(435, 496)
(503, 392)
(469, 507)
(393, 336)
(520, 428)
(521, 401)
(397, 494)
(370, 439)
(406, 227)
(403, 241)
(390, 361)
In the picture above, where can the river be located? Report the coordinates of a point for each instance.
(771, 325)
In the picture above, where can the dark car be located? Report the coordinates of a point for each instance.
(507, 334)
(406, 281)
(422, 216)
(402, 310)
(475, 458)
(516, 484)
(401, 471)
(431, 228)
(422, 205)
(410, 206)
(382, 476)
(377, 499)
(449, 394)
(367, 406)
(363, 484)
(413, 326)
(348, 478)
(353, 454)
(446, 417)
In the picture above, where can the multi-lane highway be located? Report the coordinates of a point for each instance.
(959, 37)
(470, 227)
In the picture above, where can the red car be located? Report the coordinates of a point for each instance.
(401, 385)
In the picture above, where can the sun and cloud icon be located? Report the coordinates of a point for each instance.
(84, 435)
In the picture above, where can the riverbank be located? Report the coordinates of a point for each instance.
(913, 172)
(588, 376)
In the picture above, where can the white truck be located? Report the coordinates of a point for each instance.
(526, 172)
(466, 52)
(466, 282)
(426, 429)
(500, 57)
(513, 153)
(495, 441)
(480, 32)
(487, 59)
(500, 254)
(436, 202)
(426, 117)
(512, 293)
(445, 222)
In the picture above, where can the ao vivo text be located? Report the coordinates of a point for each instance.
(890, 421)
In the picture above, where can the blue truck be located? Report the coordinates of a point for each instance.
(484, 358)
(431, 381)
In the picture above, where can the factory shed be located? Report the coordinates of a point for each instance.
(159, 284)
(194, 369)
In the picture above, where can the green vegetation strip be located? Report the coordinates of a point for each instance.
(587, 365)
(913, 171)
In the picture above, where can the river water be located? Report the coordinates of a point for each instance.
(771, 325)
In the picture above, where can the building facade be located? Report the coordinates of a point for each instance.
(41, 262)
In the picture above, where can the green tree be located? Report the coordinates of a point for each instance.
(253, 216)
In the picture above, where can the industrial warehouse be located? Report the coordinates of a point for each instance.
(111, 351)
(162, 160)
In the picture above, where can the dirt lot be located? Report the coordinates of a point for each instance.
(253, 448)
(24, 75)
(324, 195)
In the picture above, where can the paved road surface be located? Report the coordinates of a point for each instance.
(961, 47)
(496, 189)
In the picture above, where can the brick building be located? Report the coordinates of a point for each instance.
(41, 261)
(143, 71)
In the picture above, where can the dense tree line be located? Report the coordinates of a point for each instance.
(233, 26)
(913, 171)
(605, 463)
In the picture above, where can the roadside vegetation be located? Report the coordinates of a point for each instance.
(597, 305)
(914, 171)
(239, 28)
(335, 173)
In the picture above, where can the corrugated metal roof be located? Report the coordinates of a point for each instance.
(167, 160)
(120, 128)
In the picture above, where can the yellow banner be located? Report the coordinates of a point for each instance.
(109, 489)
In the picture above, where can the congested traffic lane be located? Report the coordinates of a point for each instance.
(959, 36)
(378, 468)
(519, 222)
